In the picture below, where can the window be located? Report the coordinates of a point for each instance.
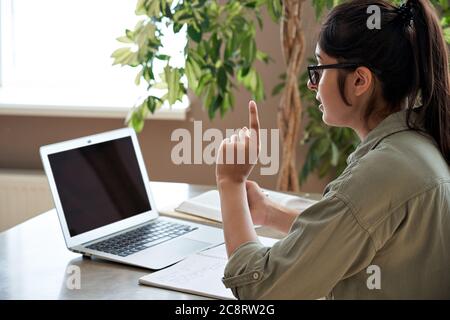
(57, 53)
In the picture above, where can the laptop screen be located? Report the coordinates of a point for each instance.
(99, 184)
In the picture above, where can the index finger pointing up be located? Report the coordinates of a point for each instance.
(254, 131)
(253, 114)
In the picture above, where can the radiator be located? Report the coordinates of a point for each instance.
(23, 195)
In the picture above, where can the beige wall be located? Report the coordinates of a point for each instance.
(21, 136)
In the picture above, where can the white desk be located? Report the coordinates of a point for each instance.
(34, 260)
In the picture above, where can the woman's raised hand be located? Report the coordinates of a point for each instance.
(238, 154)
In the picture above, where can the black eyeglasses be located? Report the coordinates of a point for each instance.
(315, 72)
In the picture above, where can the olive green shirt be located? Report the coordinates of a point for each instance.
(381, 230)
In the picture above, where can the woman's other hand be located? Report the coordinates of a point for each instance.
(258, 203)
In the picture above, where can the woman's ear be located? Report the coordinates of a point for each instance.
(362, 80)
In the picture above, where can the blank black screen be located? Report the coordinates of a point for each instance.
(99, 184)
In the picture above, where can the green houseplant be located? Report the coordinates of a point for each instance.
(220, 47)
(220, 53)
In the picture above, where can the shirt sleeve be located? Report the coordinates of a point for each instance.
(325, 245)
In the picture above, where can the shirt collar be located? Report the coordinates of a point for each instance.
(395, 122)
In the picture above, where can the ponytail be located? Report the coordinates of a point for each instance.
(432, 74)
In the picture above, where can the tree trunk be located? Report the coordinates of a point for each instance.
(290, 109)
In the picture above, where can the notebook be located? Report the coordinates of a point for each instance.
(207, 205)
(200, 273)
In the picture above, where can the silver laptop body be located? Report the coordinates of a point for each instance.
(102, 196)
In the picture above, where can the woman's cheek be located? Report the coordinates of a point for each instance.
(330, 101)
(326, 116)
(329, 112)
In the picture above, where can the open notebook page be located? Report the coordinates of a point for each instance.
(207, 205)
(199, 274)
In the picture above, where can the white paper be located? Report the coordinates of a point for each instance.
(200, 273)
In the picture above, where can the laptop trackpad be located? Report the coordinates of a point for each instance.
(173, 251)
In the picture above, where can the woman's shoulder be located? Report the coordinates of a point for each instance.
(411, 153)
(404, 163)
(399, 168)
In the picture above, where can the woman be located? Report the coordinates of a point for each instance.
(382, 228)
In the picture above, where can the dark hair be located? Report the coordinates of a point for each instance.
(411, 55)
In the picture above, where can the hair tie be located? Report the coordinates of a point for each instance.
(406, 12)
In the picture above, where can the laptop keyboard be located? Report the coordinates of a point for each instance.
(142, 238)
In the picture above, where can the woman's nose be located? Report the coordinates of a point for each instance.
(311, 86)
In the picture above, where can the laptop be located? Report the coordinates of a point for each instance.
(102, 196)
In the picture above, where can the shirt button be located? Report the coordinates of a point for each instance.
(255, 275)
